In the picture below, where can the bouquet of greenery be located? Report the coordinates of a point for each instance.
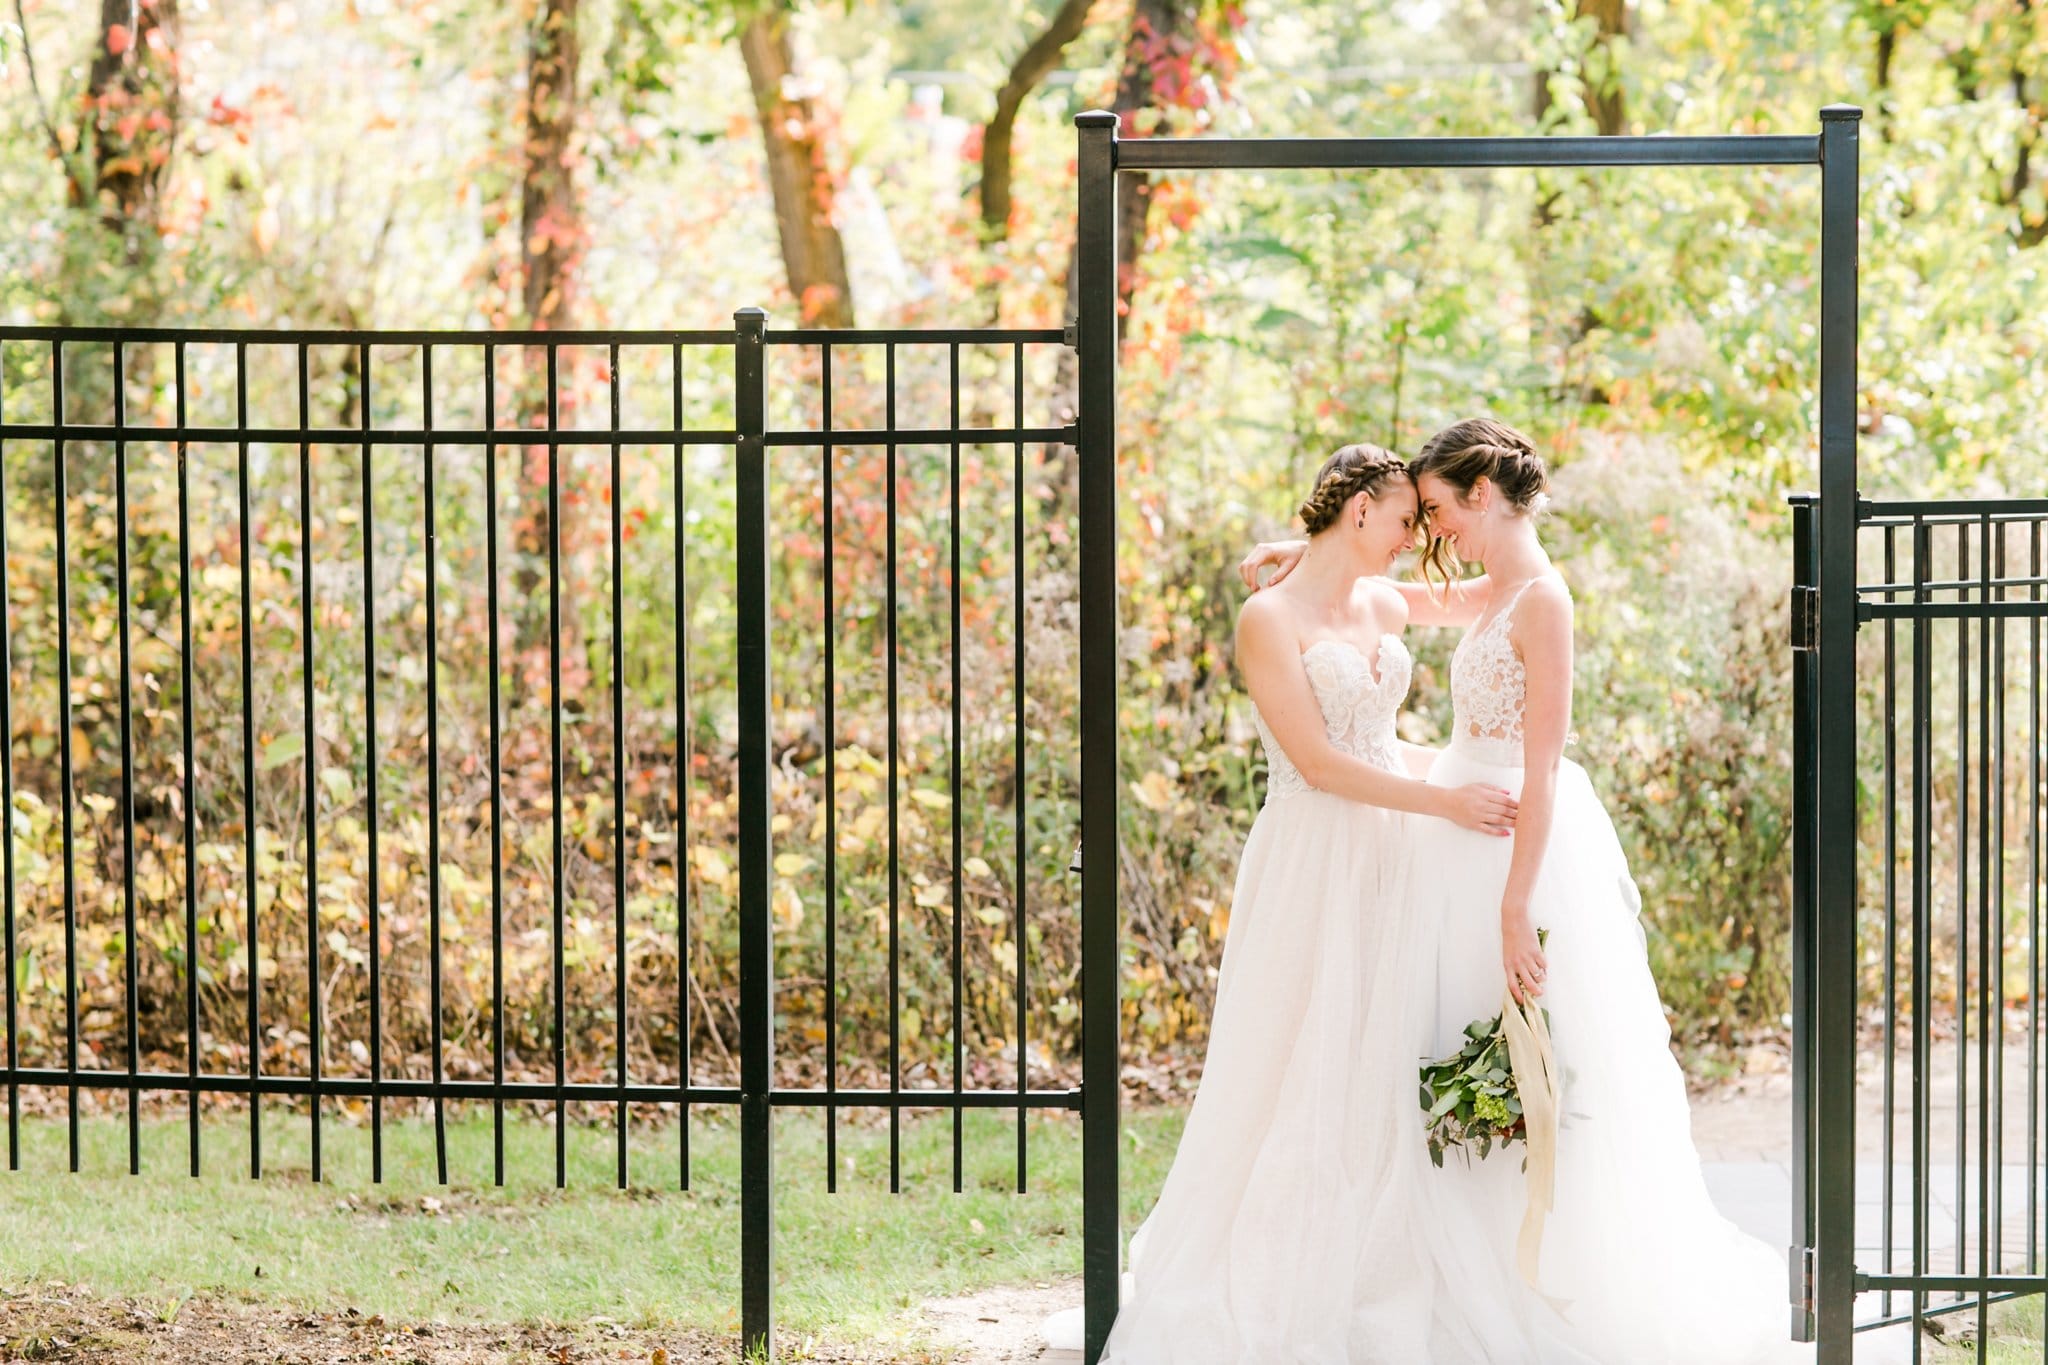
(1470, 1099)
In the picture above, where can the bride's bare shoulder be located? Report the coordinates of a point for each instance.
(1385, 599)
(1265, 615)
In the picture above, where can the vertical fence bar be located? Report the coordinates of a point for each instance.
(757, 964)
(1990, 878)
(370, 770)
(1019, 760)
(63, 513)
(1835, 831)
(558, 1042)
(958, 807)
(618, 764)
(7, 803)
(1805, 726)
(253, 963)
(497, 768)
(1096, 335)
(1923, 917)
(132, 1002)
(312, 782)
(1963, 805)
(2033, 901)
(895, 837)
(682, 825)
(831, 781)
(433, 765)
(1891, 905)
(185, 773)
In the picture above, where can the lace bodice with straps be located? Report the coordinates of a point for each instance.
(1489, 688)
(1359, 698)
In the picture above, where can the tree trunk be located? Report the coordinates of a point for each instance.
(813, 257)
(1036, 63)
(1603, 97)
(550, 218)
(131, 113)
(552, 240)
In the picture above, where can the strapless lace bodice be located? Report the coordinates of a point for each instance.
(1359, 699)
(1489, 689)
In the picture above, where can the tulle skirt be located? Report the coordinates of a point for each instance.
(1289, 1229)
(1637, 1264)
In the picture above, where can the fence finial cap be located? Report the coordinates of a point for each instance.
(1096, 118)
(1837, 112)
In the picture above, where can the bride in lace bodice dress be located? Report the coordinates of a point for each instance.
(1287, 1229)
(1635, 1259)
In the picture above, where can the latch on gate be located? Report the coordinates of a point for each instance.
(1805, 618)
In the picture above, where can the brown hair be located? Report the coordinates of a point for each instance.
(1464, 453)
(1354, 469)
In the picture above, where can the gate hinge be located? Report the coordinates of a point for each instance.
(1805, 618)
(1070, 335)
(1075, 865)
(1800, 1261)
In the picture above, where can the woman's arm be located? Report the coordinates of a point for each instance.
(1542, 631)
(1271, 659)
(1459, 605)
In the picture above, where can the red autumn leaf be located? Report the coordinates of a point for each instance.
(119, 39)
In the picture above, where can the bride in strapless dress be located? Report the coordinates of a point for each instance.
(1290, 1227)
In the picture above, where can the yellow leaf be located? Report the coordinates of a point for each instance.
(925, 796)
(790, 864)
(976, 867)
(711, 864)
(1154, 791)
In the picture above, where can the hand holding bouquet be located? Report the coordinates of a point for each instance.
(1501, 1087)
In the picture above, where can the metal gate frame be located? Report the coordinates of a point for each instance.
(1824, 931)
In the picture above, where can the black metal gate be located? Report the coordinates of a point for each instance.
(1939, 724)
(1823, 1233)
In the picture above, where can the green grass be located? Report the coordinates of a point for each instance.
(847, 1265)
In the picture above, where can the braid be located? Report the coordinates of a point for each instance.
(1354, 469)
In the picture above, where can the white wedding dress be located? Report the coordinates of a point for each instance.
(1638, 1262)
(1292, 1227)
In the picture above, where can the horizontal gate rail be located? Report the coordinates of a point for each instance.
(1460, 153)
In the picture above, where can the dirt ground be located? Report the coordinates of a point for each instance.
(57, 1322)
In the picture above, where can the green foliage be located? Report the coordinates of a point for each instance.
(1654, 328)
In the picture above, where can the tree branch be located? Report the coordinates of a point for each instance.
(28, 55)
(1032, 67)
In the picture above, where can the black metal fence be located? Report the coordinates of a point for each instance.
(225, 553)
(1949, 1174)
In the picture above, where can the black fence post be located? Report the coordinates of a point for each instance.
(757, 987)
(1095, 338)
(1835, 755)
(1805, 719)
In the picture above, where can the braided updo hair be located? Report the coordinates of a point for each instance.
(1480, 448)
(1354, 469)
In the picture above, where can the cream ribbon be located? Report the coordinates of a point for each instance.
(1528, 1036)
